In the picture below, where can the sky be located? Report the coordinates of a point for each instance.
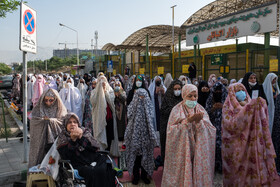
(114, 21)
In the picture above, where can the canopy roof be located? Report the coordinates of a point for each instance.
(159, 37)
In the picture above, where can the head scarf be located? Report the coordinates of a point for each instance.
(211, 82)
(267, 86)
(187, 80)
(202, 96)
(168, 80)
(232, 81)
(140, 137)
(64, 136)
(187, 89)
(50, 83)
(245, 80)
(38, 89)
(56, 110)
(210, 100)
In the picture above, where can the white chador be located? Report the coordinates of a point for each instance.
(30, 85)
(72, 98)
(102, 95)
(83, 90)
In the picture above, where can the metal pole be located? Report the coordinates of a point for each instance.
(46, 65)
(77, 49)
(173, 40)
(24, 79)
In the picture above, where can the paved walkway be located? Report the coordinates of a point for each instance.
(12, 168)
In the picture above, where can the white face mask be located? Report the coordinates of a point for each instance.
(177, 92)
(183, 82)
(68, 85)
(252, 84)
(214, 78)
(138, 84)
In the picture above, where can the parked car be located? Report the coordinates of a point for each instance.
(6, 82)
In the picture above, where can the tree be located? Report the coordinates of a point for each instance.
(4, 69)
(8, 6)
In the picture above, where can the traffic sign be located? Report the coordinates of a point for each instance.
(28, 21)
(110, 66)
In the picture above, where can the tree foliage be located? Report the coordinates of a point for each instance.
(54, 63)
(5, 69)
(8, 6)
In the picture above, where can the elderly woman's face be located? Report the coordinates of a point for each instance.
(192, 96)
(49, 100)
(72, 124)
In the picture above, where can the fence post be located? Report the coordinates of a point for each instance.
(4, 119)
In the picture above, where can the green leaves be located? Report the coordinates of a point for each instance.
(8, 6)
(5, 69)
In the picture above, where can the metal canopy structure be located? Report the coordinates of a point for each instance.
(220, 8)
(159, 39)
(109, 47)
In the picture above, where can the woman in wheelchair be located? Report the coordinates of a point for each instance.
(78, 145)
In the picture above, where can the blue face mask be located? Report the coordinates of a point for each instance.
(240, 96)
(191, 104)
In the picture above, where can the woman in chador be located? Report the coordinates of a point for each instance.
(45, 125)
(214, 107)
(247, 150)
(104, 116)
(171, 98)
(190, 144)
(140, 137)
(72, 98)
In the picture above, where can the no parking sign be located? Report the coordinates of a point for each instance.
(28, 21)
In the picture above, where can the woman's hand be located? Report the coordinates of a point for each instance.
(195, 117)
(243, 103)
(218, 105)
(76, 133)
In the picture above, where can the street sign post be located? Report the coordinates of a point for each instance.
(27, 43)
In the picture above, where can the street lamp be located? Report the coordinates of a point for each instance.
(173, 72)
(60, 24)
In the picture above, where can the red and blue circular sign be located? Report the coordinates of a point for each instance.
(29, 22)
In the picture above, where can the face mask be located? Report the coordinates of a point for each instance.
(183, 82)
(214, 78)
(158, 83)
(240, 96)
(68, 85)
(177, 92)
(252, 84)
(117, 80)
(117, 89)
(217, 97)
(196, 83)
(138, 84)
(191, 104)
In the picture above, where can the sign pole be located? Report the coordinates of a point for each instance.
(24, 79)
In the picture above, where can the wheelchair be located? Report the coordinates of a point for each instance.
(69, 177)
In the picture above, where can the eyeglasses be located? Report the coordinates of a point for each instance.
(49, 100)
